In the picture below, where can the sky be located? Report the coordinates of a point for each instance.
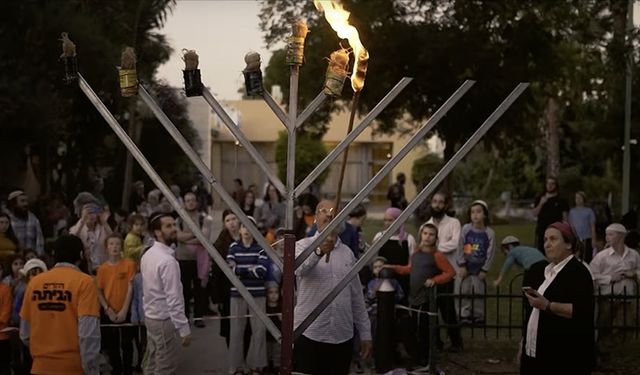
(222, 32)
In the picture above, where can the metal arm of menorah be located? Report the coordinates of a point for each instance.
(421, 197)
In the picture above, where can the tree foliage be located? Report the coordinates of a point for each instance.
(310, 150)
(570, 51)
(40, 110)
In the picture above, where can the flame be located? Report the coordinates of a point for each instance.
(338, 18)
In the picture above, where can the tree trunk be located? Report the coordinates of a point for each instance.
(552, 119)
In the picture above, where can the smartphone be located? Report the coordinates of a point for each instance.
(529, 290)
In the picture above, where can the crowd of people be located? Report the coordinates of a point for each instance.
(132, 285)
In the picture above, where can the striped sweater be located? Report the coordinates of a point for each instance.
(250, 264)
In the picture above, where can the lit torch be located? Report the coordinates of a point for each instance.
(338, 18)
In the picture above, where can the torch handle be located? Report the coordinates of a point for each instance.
(345, 156)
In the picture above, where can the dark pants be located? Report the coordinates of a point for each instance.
(117, 342)
(21, 360)
(419, 335)
(140, 340)
(191, 288)
(5, 357)
(448, 311)
(530, 366)
(587, 250)
(318, 358)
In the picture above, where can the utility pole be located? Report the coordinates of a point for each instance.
(626, 159)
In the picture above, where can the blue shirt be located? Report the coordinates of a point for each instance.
(477, 249)
(524, 256)
(581, 219)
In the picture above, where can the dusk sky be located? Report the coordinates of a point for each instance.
(221, 32)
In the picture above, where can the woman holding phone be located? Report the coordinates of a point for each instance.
(558, 337)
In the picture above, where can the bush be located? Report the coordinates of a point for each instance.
(310, 150)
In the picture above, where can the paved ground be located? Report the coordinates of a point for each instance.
(207, 353)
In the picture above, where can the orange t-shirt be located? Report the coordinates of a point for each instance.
(114, 280)
(53, 302)
(6, 303)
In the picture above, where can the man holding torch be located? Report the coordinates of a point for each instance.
(326, 346)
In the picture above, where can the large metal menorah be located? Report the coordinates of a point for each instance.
(292, 121)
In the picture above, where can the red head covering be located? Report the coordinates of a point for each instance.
(566, 230)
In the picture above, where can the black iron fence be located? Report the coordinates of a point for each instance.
(617, 310)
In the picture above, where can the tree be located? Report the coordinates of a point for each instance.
(309, 153)
(45, 113)
(562, 48)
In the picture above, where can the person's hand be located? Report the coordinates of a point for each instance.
(482, 275)
(463, 272)
(429, 283)
(497, 281)
(630, 274)
(365, 348)
(325, 247)
(121, 316)
(112, 315)
(83, 214)
(537, 300)
(186, 340)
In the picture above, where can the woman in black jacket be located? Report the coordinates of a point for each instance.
(558, 335)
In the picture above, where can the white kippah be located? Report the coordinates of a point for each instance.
(616, 227)
(15, 194)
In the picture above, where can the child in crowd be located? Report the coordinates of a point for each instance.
(251, 264)
(133, 244)
(21, 357)
(398, 249)
(427, 268)
(5, 317)
(133, 248)
(14, 279)
(137, 318)
(372, 289)
(273, 307)
(475, 255)
(115, 289)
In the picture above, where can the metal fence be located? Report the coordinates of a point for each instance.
(617, 311)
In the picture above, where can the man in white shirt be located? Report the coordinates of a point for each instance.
(326, 346)
(162, 299)
(194, 260)
(448, 228)
(615, 271)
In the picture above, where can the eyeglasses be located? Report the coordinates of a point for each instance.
(326, 211)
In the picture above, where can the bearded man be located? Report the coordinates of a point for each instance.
(25, 224)
(448, 227)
